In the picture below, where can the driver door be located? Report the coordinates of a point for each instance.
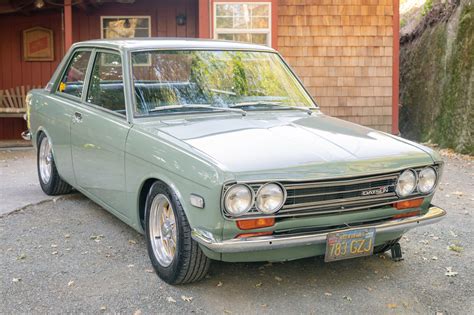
(99, 130)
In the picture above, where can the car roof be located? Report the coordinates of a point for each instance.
(170, 43)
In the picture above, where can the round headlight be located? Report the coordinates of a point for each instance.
(270, 198)
(238, 200)
(426, 180)
(406, 183)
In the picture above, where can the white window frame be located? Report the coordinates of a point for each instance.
(148, 17)
(267, 31)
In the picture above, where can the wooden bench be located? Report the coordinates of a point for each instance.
(13, 101)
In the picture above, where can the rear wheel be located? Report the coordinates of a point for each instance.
(175, 256)
(50, 181)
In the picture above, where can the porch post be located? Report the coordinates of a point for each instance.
(395, 66)
(204, 19)
(67, 24)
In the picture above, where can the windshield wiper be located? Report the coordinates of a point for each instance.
(200, 106)
(273, 105)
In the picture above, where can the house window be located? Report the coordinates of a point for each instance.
(242, 21)
(125, 26)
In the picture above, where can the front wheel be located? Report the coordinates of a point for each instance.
(50, 181)
(175, 256)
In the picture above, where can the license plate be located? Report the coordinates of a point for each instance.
(349, 244)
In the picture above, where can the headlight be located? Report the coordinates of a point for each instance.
(406, 183)
(270, 198)
(238, 199)
(426, 180)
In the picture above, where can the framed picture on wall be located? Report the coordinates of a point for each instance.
(38, 44)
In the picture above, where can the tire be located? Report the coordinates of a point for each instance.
(187, 263)
(50, 181)
(380, 249)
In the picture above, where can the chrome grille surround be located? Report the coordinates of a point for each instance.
(317, 197)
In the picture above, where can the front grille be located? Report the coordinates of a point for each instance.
(334, 195)
(331, 196)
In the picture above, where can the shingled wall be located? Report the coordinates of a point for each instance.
(342, 50)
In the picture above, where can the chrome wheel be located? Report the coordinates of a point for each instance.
(162, 229)
(45, 157)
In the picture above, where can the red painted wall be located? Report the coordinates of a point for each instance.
(14, 71)
(86, 25)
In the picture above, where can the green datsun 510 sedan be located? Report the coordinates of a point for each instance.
(215, 151)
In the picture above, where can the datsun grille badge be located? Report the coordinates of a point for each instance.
(376, 191)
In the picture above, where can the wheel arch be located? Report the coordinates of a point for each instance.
(143, 193)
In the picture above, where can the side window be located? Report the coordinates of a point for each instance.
(106, 83)
(72, 82)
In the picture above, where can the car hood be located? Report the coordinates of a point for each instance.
(292, 144)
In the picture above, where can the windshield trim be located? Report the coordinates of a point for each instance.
(263, 50)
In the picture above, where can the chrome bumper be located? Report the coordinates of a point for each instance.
(258, 243)
(26, 135)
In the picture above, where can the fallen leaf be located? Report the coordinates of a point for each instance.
(258, 285)
(450, 273)
(455, 248)
(453, 234)
(21, 257)
(186, 298)
(264, 305)
(458, 193)
(392, 305)
(278, 278)
(132, 242)
(227, 312)
(70, 283)
(96, 237)
(219, 284)
(369, 289)
(170, 299)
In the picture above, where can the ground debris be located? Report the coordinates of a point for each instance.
(186, 298)
(455, 248)
(450, 273)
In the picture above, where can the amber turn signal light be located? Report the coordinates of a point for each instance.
(408, 204)
(245, 235)
(255, 223)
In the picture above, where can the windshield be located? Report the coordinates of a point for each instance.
(196, 81)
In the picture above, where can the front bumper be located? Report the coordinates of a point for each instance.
(258, 243)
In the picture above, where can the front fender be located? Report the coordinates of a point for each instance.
(149, 157)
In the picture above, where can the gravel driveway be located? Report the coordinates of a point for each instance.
(70, 255)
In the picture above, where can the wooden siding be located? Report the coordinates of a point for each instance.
(17, 72)
(86, 24)
(342, 50)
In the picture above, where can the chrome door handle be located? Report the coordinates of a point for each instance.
(77, 118)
